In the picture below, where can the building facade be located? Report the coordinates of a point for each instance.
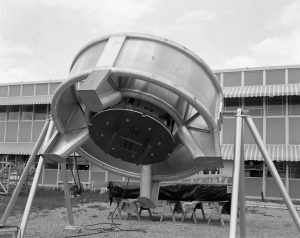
(270, 94)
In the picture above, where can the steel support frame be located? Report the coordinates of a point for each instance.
(238, 184)
(23, 177)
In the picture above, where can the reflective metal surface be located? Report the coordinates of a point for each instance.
(163, 85)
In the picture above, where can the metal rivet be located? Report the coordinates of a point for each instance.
(149, 129)
(113, 148)
(132, 156)
(107, 123)
(127, 120)
(102, 135)
(151, 154)
(159, 143)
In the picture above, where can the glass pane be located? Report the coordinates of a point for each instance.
(11, 131)
(231, 104)
(13, 112)
(253, 78)
(28, 90)
(280, 166)
(41, 89)
(2, 113)
(253, 168)
(232, 79)
(294, 75)
(25, 131)
(26, 112)
(2, 131)
(3, 91)
(275, 76)
(14, 90)
(248, 138)
(254, 105)
(40, 112)
(276, 106)
(294, 168)
(275, 130)
(294, 130)
(228, 130)
(294, 105)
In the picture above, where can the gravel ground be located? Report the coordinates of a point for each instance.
(91, 217)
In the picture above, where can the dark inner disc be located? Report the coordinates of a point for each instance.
(131, 136)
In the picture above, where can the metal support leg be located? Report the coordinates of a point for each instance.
(236, 175)
(242, 190)
(67, 196)
(31, 197)
(274, 172)
(23, 177)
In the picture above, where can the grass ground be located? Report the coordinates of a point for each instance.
(48, 219)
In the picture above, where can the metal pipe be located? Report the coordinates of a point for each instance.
(23, 177)
(146, 181)
(242, 188)
(236, 175)
(67, 194)
(31, 196)
(34, 185)
(273, 171)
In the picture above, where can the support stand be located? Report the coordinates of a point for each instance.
(238, 187)
(71, 225)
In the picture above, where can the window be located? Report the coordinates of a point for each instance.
(3, 91)
(50, 165)
(276, 105)
(275, 130)
(28, 90)
(41, 89)
(13, 112)
(294, 130)
(253, 168)
(253, 78)
(254, 105)
(228, 130)
(294, 75)
(280, 166)
(231, 104)
(294, 105)
(26, 112)
(14, 90)
(2, 113)
(232, 79)
(275, 76)
(40, 112)
(294, 169)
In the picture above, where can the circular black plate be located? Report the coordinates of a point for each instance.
(131, 136)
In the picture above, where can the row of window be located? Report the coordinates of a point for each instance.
(24, 112)
(275, 106)
(255, 77)
(275, 130)
(28, 89)
(255, 169)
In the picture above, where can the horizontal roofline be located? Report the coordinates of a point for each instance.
(33, 82)
(257, 68)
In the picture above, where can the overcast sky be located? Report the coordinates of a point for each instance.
(39, 38)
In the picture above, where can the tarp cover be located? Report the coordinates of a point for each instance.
(175, 192)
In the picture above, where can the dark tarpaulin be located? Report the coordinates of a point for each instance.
(176, 192)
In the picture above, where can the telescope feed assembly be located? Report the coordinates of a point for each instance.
(140, 106)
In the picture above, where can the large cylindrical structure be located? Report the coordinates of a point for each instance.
(139, 100)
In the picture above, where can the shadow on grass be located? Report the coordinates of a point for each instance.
(49, 199)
